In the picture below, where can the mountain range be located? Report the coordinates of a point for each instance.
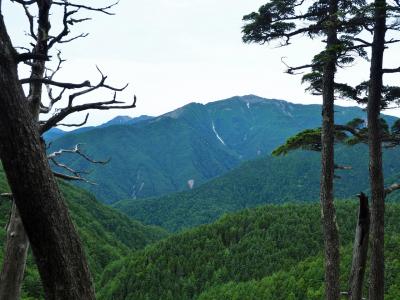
(265, 180)
(211, 164)
(184, 148)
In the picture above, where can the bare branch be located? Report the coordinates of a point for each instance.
(339, 167)
(53, 100)
(63, 113)
(25, 2)
(30, 20)
(392, 188)
(82, 35)
(72, 178)
(20, 57)
(101, 84)
(104, 10)
(76, 150)
(76, 175)
(8, 196)
(65, 31)
(66, 85)
(76, 125)
(291, 70)
(395, 70)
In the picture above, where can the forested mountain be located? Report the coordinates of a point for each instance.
(190, 145)
(292, 178)
(271, 252)
(107, 235)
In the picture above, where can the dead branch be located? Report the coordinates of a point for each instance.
(21, 57)
(8, 196)
(72, 178)
(76, 150)
(392, 188)
(291, 70)
(63, 113)
(339, 167)
(25, 2)
(105, 10)
(394, 70)
(75, 125)
(66, 85)
(75, 174)
(68, 20)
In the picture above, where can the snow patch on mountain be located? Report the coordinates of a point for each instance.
(190, 183)
(284, 107)
(216, 134)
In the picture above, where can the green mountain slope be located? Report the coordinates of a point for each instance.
(305, 280)
(107, 235)
(190, 145)
(291, 178)
(250, 245)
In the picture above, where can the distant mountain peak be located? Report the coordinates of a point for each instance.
(253, 99)
(119, 120)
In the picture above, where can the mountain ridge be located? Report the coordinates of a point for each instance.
(191, 145)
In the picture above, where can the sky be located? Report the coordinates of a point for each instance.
(173, 52)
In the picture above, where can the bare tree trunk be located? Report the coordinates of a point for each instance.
(17, 246)
(55, 244)
(360, 250)
(331, 235)
(14, 265)
(376, 290)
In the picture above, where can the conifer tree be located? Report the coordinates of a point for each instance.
(337, 22)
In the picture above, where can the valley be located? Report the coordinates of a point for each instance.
(192, 144)
(212, 214)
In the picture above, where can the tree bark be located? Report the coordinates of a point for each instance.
(360, 250)
(16, 252)
(11, 278)
(331, 235)
(376, 289)
(55, 244)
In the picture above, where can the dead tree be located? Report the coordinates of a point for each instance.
(360, 250)
(64, 272)
(16, 252)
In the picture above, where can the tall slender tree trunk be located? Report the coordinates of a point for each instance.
(360, 250)
(331, 235)
(16, 251)
(376, 289)
(55, 244)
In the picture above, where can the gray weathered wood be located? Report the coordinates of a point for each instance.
(360, 250)
(14, 262)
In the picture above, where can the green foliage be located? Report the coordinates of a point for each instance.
(306, 279)
(309, 139)
(353, 133)
(107, 235)
(161, 155)
(282, 20)
(290, 178)
(271, 252)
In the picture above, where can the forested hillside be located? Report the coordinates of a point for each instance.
(106, 234)
(292, 178)
(188, 146)
(271, 252)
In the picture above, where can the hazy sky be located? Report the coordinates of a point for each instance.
(173, 52)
